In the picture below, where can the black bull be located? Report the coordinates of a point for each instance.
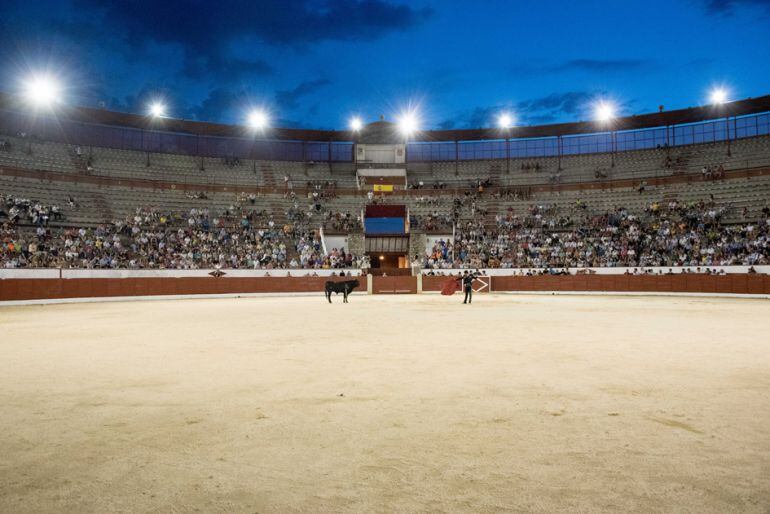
(345, 288)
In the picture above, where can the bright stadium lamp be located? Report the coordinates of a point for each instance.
(505, 121)
(42, 91)
(356, 124)
(158, 110)
(718, 96)
(408, 123)
(258, 119)
(605, 111)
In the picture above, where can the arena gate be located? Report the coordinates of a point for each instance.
(394, 285)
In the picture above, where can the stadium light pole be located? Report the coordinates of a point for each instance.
(408, 124)
(507, 154)
(156, 112)
(605, 114)
(259, 120)
(457, 157)
(355, 127)
(505, 122)
(719, 98)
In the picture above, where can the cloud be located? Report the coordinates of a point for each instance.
(289, 123)
(120, 44)
(210, 35)
(602, 65)
(477, 117)
(483, 116)
(224, 68)
(194, 39)
(567, 107)
(448, 124)
(221, 103)
(555, 107)
(725, 7)
(571, 103)
(289, 99)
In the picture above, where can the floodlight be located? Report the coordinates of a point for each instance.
(356, 124)
(42, 90)
(258, 119)
(718, 96)
(605, 111)
(158, 110)
(408, 123)
(505, 121)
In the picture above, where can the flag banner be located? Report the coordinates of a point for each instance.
(383, 188)
(384, 225)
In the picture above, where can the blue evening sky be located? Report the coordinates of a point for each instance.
(315, 63)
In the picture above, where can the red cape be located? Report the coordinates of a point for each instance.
(449, 287)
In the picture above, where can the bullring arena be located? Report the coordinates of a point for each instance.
(167, 345)
(387, 404)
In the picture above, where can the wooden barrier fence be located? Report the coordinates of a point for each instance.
(36, 288)
(682, 283)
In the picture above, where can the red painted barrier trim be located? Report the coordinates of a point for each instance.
(37, 289)
(682, 283)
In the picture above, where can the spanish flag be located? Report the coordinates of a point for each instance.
(383, 188)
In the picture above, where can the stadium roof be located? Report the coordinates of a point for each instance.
(384, 132)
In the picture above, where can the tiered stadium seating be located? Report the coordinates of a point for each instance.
(223, 180)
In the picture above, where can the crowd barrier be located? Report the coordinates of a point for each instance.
(682, 283)
(433, 284)
(35, 289)
(394, 285)
(58, 288)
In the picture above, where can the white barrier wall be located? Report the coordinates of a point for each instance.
(602, 271)
(124, 273)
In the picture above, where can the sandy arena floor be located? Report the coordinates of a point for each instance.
(387, 404)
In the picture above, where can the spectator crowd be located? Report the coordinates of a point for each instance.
(663, 235)
(19, 209)
(153, 239)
